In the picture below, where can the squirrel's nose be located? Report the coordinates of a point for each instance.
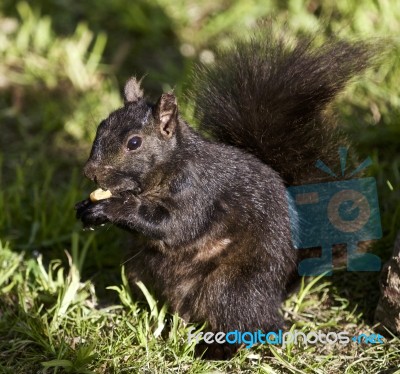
(90, 170)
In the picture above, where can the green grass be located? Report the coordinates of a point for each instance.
(64, 305)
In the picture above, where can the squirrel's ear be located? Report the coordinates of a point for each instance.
(132, 91)
(166, 114)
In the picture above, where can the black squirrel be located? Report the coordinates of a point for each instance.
(214, 213)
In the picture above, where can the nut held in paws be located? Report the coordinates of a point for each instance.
(100, 194)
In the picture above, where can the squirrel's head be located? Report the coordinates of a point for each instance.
(133, 141)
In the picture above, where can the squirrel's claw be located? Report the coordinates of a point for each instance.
(81, 206)
(91, 214)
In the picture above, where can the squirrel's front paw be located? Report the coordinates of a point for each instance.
(93, 214)
(81, 207)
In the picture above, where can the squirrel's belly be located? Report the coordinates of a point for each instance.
(215, 279)
(178, 275)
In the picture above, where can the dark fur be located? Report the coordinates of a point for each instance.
(270, 97)
(216, 216)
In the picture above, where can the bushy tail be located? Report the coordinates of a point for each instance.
(271, 97)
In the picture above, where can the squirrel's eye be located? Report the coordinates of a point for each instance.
(134, 143)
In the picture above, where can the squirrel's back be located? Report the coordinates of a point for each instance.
(271, 98)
